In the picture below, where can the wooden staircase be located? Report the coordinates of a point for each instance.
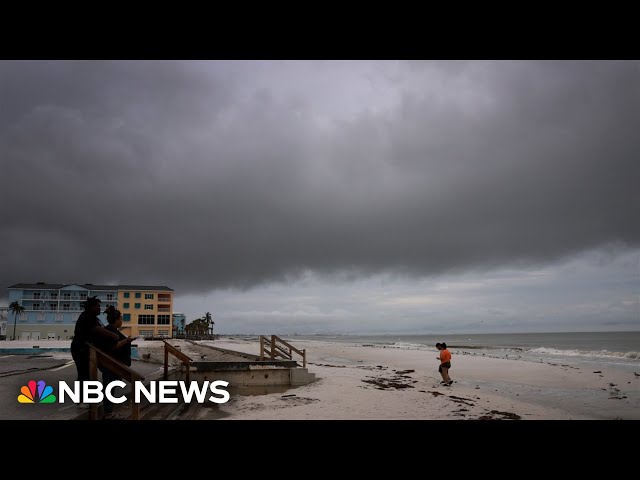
(273, 346)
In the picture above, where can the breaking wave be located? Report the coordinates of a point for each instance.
(582, 353)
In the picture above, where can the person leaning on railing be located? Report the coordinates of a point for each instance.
(88, 329)
(120, 350)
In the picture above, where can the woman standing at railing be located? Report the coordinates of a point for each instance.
(120, 351)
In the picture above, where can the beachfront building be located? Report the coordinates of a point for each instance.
(4, 316)
(179, 322)
(51, 310)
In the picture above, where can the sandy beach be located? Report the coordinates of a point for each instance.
(356, 380)
(374, 382)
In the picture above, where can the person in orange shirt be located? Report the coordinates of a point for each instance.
(445, 363)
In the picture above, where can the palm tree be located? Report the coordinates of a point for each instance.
(17, 309)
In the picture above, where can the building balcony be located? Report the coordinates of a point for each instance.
(39, 299)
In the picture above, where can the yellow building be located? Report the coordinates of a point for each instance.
(146, 310)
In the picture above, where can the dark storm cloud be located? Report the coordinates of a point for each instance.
(204, 175)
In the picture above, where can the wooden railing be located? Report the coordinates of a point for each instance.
(276, 347)
(98, 358)
(170, 349)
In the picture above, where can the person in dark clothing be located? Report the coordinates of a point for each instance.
(88, 329)
(120, 351)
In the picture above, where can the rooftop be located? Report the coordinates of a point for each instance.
(88, 286)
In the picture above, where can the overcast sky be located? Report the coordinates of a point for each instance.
(351, 196)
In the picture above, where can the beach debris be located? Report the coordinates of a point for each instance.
(465, 401)
(404, 372)
(384, 383)
(295, 401)
(615, 394)
(289, 395)
(497, 415)
(612, 384)
(636, 374)
(507, 415)
(477, 387)
(597, 371)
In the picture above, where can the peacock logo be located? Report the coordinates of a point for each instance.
(28, 393)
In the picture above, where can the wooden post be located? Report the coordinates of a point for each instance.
(273, 347)
(166, 362)
(93, 375)
(261, 347)
(304, 358)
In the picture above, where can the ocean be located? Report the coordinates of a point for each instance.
(616, 348)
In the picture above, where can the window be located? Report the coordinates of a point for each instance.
(148, 296)
(145, 333)
(36, 295)
(148, 306)
(137, 305)
(126, 294)
(53, 306)
(137, 294)
(66, 306)
(125, 305)
(164, 319)
(36, 306)
(54, 296)
(40, 316)
(164, 298)
(66, 296)
(146, 319)
(58, 317)
(83, 296)
(109, 296)
(126, 317)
